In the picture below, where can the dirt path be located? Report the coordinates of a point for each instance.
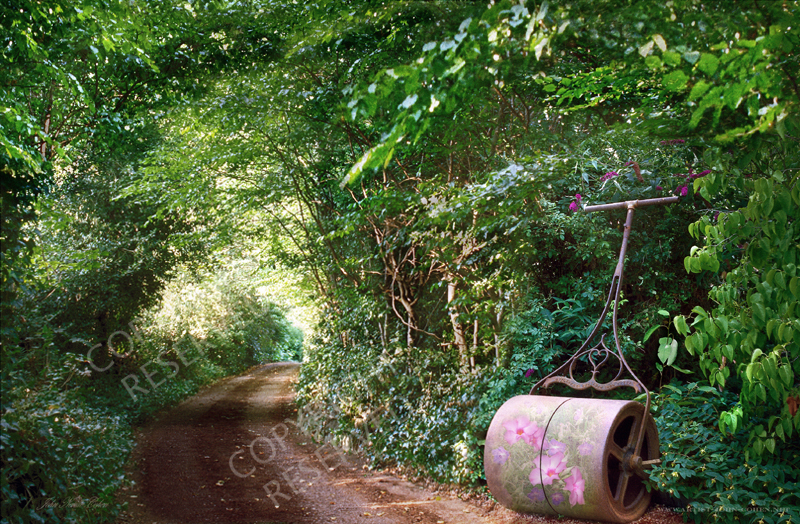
(234, 454)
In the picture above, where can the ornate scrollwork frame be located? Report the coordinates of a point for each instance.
(598, 355)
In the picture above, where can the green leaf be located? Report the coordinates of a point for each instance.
(748, 372)
(691, 56)
(794, 287)
(680, 325)
(708, 64)
(650, 332)
(671, 58)
(699, 90)
(675, 81)
(759, 313)
(667, 350)
(779, 432)
(700, 312)
(653, 62)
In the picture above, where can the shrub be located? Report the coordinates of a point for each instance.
(707, 474)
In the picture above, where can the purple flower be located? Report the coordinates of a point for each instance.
(578, 197)
(537, 495)
(609, 176)
(585, 448)
(659, 188)
(500, 455)
(716, 216)
(529, 373)
(557, 499)
(682, 190)
(554, 446)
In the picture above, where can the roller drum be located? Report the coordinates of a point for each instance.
(570, 456)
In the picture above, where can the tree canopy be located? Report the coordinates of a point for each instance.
(420, 169)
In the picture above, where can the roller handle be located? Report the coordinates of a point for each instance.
(640, 466)
(632, 204)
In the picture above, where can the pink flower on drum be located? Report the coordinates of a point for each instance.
(554, 446)
(575, 485)
(585, 448)
(548, 469)
(522, 428)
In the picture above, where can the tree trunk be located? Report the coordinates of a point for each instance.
(458, 327)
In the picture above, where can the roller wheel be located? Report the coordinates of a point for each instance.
(624, 471)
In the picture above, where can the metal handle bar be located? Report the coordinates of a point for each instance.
(565, 373)
(632, 204)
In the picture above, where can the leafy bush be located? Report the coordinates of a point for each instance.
(61, 454)
(749, 341)
(708, 474)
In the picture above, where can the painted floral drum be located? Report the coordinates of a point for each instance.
(570, 456)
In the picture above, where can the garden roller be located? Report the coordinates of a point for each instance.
(582, 458)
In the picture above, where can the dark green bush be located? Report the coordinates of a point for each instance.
(707, 473)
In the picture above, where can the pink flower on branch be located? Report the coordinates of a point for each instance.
(575, 205)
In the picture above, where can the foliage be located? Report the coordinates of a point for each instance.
(423, 165)
(225, 313)
(80, 84)
(578, 66)
(752, 332)
(709, 475)
(67, 425)
(61, 456)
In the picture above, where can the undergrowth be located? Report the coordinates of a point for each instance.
(67, 420)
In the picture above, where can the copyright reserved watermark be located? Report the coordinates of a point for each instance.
(723, 509)
(74, 502)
